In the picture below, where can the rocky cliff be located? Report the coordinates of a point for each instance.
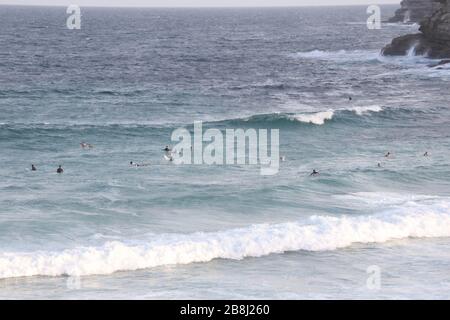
(433, 39)
(414, 10)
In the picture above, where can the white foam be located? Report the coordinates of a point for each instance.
(360, 111)
(402, 25)
(412, 51)
(361, 56)
(387, 24)
(316, 233)
(340, 55)
(318, 118)
(411, 59)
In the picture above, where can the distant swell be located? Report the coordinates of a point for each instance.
(317, 233)
(415, 63)
(350, 114)
(340, 56)
(317, 118)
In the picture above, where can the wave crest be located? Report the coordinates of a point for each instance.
(318, 118)
(317, 233)
(340, 55)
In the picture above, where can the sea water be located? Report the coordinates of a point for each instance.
(130, 77)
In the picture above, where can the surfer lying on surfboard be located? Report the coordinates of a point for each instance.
(168, 153)
(85, 145)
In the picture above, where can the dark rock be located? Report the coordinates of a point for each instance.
(412, 11)
(403, 45)
(434, 39)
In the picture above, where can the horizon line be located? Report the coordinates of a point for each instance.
(192, 7)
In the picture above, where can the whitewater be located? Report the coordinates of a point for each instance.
(317, 233)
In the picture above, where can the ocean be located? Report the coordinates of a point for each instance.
(367, 227)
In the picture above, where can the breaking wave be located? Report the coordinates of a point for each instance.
(316, 118)
(317, 233)
(340, 55)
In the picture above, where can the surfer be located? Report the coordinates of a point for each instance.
(350, 98)
(59, 170)
(387, 155)
(168, 153)
(426, 154)
(33, 168)
(139, 165)
(314, 173)
(134, 164)
(379, 165)
(85, 145)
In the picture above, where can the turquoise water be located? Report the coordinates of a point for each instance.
(129, 77)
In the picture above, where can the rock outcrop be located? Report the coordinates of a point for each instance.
(432, 41)
(413, 11)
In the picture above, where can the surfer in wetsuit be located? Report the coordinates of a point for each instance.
(168, 153)
(59, 170)
(138, 165)
(426, 154)
(314, 173)
(387, 155)
(85, 145)
(33, 168)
